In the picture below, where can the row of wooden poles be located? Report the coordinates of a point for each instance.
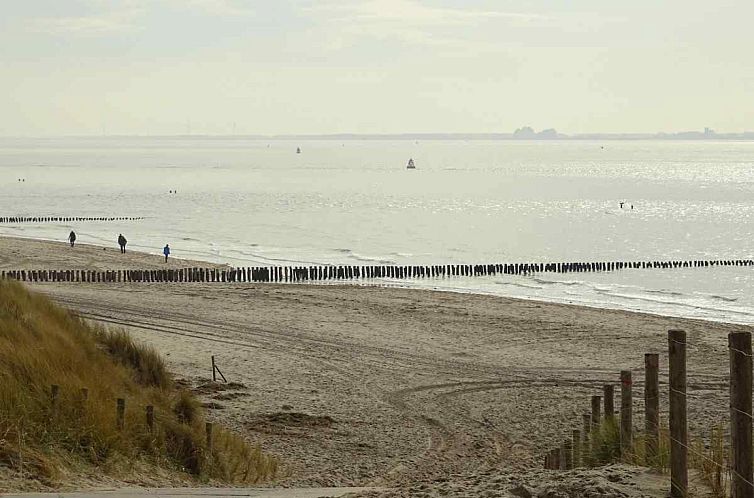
(574, 450)
(323, 273)
(120, 412)
(53, 219)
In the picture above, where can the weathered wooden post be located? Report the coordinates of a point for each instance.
(568, 452)
(596, 416)
(739, 345)
(214, 370)
(576, 435)
(626, 411)
(121, 413)
(609, 402)
(586, 447)
(678, 424)
(651, 407)
(150, 418)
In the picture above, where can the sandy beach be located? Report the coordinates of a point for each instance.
(425, 392)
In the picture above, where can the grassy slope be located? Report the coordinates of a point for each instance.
(44, 439)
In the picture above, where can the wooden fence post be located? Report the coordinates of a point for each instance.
(150, 418)
(652, 407)
(596, 417)
(568, 452)
(626, 411)
(739, 344)
(586, 451)
(609, 402)
(121, 413)
(678, 424)
(214, 370)
(576, 434)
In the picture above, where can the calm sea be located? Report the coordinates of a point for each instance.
(253, 202)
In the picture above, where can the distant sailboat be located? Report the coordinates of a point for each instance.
(298, 150)
(410, 164)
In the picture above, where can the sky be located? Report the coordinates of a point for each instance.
(155, 67)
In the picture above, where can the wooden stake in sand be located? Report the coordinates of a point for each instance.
(609, 402)
(586, 447)
(626, 413)
(576, 434)
(651, 406)
(568, 452)
(596, 416)
(679, 478)
(739, 344)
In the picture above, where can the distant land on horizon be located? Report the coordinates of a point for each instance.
(525, 133)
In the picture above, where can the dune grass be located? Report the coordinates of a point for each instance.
(45, 431)
(709, 457)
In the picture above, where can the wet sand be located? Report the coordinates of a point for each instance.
(426, 392)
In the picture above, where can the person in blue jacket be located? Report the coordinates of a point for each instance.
(166, 252)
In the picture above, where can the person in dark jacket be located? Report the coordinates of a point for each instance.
(166, 252)
(122, 243)
(72, 238)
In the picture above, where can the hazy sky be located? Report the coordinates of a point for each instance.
(374, 66)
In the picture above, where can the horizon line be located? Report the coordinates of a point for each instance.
(545, 135)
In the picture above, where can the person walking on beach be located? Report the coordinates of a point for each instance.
(122, 243)
(72, 238)
(166, 252)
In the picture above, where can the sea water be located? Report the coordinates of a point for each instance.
(252, 202)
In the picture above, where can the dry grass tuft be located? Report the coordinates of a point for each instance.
(710, 458)
(41, 434)
(144, 360)
(606, 443)
(710, 461)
